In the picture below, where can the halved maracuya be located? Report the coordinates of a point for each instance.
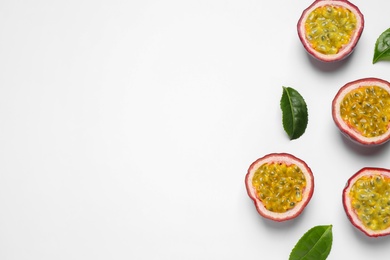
(280, 185)
(366, 200)
(330, 29)
(361, 110)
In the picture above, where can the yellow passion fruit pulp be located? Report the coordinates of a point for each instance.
(366, 200)
(280, 185)
(330, 29)
(361, 110)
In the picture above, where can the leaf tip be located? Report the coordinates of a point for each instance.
(316, 243)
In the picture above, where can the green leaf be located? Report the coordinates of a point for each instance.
(315, 244)
(294, 112)
(382, 47)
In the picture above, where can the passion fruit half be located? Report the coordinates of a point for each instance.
(366, 200)
(361, 110)
(280, 186)
(330, 29)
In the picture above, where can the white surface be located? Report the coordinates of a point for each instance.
(127, 127)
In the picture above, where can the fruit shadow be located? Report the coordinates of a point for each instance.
(362, 149)
(283, 225)
(328, 67)
(382, 241)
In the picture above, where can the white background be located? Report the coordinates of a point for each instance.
(127, 128)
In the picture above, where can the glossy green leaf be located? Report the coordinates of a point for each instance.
(382, 47)
(315, 244)
(294, 112)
